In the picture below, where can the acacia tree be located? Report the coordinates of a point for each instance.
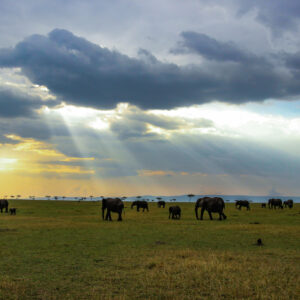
(18, 196)
(91, 197)
(191, 196)
(48, 197)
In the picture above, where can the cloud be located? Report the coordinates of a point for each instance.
(210, 48)
(279, 16)
(86, 74)
(133, 122)
(15, 104)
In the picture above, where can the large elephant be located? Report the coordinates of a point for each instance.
(211, 204)
(288, 203)
(175, 212)
(140, 204)
(3, 204)
(273, 203)
(161, 203)
(240, 203)
(112, 205)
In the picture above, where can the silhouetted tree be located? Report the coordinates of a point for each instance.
(48, 197)
(91, 197)
(191, 196)
(18, 196)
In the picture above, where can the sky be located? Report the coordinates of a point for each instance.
(126, 98)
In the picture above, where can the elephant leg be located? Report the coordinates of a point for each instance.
(210, 216)
(110, 219)
(120, 216)
(202, 211)
(106, 217)
(220, 216)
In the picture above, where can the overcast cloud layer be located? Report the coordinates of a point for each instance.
(201, 96)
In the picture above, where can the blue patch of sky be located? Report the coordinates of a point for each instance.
(289, 109)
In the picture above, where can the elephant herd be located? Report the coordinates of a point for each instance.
(274, 203)
(209, 204)
(4, 205)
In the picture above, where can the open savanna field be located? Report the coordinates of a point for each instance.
(63, 250)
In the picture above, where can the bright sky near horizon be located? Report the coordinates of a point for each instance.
(137, 97)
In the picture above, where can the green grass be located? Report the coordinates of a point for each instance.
(63, 250)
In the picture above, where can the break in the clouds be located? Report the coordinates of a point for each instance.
(83, 73)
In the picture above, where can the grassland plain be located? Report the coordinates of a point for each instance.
(63, 250)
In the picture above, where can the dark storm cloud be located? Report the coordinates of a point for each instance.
(210, 48)
(85, 74)
(14, 104)
(293, 61)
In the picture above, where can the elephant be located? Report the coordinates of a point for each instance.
(175, 211)
(273, 203)
(4, 204)
(263, 205)
(211, 204)
(140, 204)
(13, 211)
(112, 205)
(288, 203)
(240, 203)
(161, 204)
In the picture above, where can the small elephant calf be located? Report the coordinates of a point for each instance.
(175, 212)
(13, 211)
(263, 205)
